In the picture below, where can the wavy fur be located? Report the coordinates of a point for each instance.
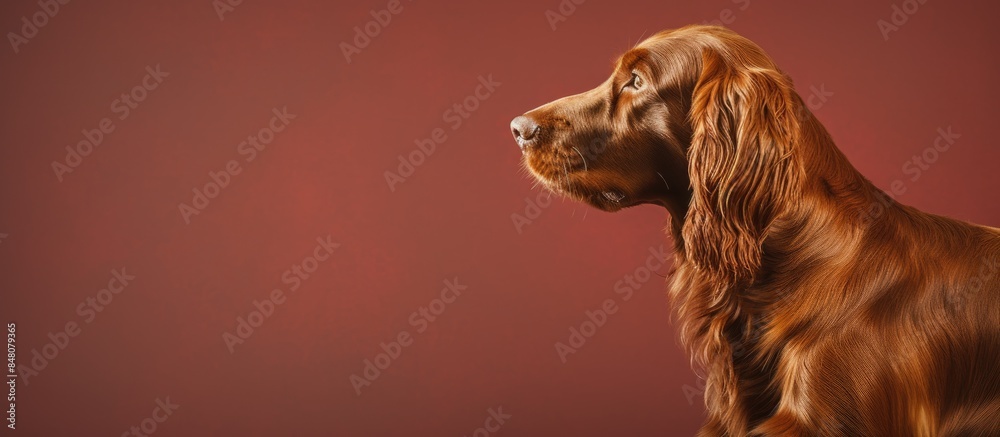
(811, 303)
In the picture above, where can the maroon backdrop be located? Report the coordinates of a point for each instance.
(139, 303)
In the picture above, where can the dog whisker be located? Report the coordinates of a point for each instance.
(613, 196)
(663, 179)
(566, 176)
(746, 283)
(581, 157)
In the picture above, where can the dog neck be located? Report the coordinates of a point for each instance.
(722, 329)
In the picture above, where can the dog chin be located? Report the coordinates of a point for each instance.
(609, 200)
(604, 200)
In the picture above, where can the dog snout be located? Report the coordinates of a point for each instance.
(525, 130)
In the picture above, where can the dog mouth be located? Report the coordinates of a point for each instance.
(559, 172)
(614, 196)
(574, 176)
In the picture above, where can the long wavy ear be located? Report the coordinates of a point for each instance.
(744, 128)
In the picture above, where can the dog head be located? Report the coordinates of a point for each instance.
(698, 120)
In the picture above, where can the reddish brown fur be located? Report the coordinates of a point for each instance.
(813, 304)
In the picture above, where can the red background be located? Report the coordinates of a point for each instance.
(324, 175)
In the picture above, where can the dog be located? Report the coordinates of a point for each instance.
(811, 302)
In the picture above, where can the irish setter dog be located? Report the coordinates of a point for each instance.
(813, 304)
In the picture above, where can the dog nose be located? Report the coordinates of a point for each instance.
(524, 129)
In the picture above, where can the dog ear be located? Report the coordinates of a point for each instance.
(744, 129)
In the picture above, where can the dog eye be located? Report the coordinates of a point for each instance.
(636, 81)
